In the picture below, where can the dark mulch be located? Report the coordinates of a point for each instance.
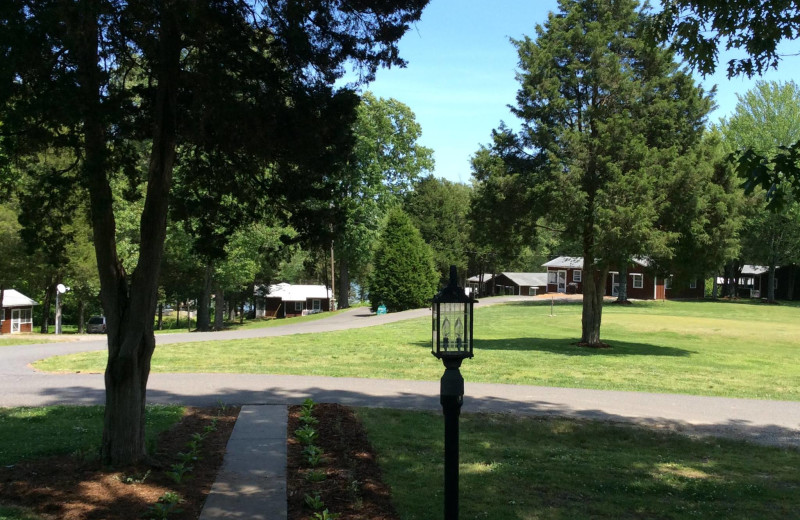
(352, 486)
(74, 488)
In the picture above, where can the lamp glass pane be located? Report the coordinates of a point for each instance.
(453, 330)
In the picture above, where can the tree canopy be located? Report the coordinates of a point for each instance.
(403, 275)
(606, 119)
(249, 83)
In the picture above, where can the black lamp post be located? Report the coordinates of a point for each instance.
(451, 342)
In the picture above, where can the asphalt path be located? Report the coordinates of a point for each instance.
(765, 422)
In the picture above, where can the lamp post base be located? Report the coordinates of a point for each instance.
(452, 397)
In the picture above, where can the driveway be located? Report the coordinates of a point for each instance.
(769, 422)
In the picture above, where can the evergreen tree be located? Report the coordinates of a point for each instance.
(403, 274)
(606, 118)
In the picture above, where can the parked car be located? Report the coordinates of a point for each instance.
(96, 325)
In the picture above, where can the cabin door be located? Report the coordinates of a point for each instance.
(614, 284)
(562, 282)
(16, 319)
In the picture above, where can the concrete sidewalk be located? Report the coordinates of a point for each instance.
(252, 481)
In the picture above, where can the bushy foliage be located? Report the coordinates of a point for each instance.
(404, 276)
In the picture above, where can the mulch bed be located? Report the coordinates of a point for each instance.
(73, 488)
(352, 487)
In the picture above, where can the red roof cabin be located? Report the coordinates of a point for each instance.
(565, 275)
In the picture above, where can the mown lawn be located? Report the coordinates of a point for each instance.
(702, 348)
(525, 468)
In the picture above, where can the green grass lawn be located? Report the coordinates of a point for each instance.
(28, 433)
(702, 348)
(544, 468)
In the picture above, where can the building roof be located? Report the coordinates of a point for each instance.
(754, 270)
(297, 293)
(575, 262)
(12, 298)
(571, 262)
(477, 278)
(527, 279)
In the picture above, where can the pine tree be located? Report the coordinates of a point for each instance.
(403, 274)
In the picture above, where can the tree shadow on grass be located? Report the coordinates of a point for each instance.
(566, 347)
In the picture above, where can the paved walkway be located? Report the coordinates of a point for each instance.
(252, 481)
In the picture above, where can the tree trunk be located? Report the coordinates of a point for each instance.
(622, 291)
(160, 325)
(81, 317)
(792, 280)
(2, 309)
(219, 308)
(344, 283)
(129, 302)
(178, 316)
(714, 288)
(771, 281)
(204, 302)
(48, 300)
(594, 288)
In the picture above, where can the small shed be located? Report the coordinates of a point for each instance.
(16, 315)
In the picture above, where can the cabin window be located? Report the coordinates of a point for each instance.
(298, 306)
(551, 277)
(638, 281)
(668, 283)
(693, 284)
(317, 305)
(576, 275)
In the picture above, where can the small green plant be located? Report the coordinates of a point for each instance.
(194, 445)
(315, 503)
(313, 455)
(198, 437)
(306, 434)
(178, 472)
(316, 475)
(222, 406)
(308, 404)
(167, 505)
(188, 456)
(326, 515)
(134, 479)
(307, 418)
(211, 427)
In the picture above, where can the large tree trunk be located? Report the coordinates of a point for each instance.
(344, 283)
(128, 302)
(203, 304)
(792, 279)
(594, 288)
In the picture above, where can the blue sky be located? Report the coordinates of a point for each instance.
(460, 76)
